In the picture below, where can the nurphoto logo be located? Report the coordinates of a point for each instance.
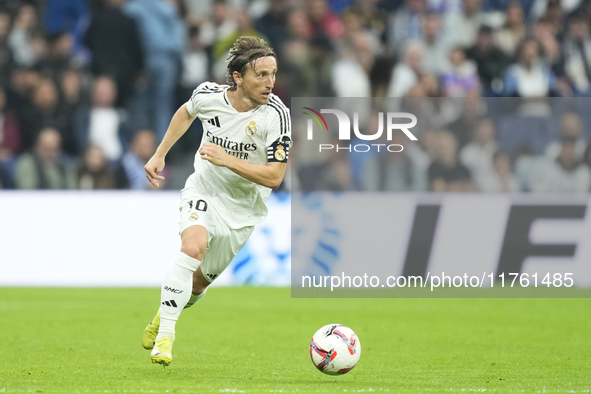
(392, 125)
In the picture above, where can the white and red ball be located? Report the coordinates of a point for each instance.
(335, 349)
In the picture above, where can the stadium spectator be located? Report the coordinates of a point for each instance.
(513, 31)
(423, 100)
(395, 171)
(72, 88)
(566, 174)
(530, 76)
(435, 46)
(446, 173)
(324, 21)
(6, 181)
(273, 24)
(554, 14)
(299, 26)
(46, 110)
(501, 179)
(10, 139)
(380, 73)
(25, 35)
(163, 36)
(101, 123)
(208, 7)
(44, 167)
(353, 23)
(64, 15)
(308, 60)
(571, 130)
(428, 142)
(22, 82)
(244, 27)
(577, 55)
(439, 112)
(196, 63)
(587, 156)
(350, 74)
(477, 156)
(215, 24)
(221, 48)
(527, 167)
(406, 73)
(473, 108)
(141, 149)
(6, 56)
(462, 27)
(548, 41)
(405, 24)
(491, 62)
(334, 174)
(58, 57)
(461, 79)
(114, 42)
(373, 15)
(444, 6)
(316, 70)
(93, 172)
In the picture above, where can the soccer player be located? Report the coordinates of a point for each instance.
(243, 155)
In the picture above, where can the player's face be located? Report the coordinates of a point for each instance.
(259, 79)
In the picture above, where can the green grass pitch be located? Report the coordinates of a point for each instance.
(255, 340)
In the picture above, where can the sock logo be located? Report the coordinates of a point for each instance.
(175, 291)
(212, 276)
(170, 303)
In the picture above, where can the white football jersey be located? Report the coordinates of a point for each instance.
(258, 136)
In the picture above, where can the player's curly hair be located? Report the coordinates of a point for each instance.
(245, 51)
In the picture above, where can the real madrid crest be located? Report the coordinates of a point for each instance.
(280, 153)
(193, 216)
(251, 129)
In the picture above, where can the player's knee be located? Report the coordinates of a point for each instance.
(194, 250)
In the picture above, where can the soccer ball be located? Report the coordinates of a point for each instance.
(335, 349)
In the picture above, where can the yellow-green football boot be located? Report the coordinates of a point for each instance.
(162, 352)
(151, 331)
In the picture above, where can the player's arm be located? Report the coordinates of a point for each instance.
(179, 125)
(270, 175)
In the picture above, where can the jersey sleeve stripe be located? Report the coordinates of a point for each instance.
(207, 89)
(282, 127)
(285, 110)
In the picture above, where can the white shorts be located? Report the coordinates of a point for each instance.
(223, 242)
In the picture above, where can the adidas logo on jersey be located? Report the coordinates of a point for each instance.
(215, 121)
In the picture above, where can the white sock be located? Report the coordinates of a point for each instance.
(194, 298)
(176, 293)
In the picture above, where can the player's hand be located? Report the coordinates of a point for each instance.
(153, 168)
(213, 153)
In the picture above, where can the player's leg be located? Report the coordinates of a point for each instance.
(177, 289)
(224, 247)
(199, 289)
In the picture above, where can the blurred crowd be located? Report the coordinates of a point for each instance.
(88, 87)
(470, 144)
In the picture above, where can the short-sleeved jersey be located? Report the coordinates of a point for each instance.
(253, 136)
